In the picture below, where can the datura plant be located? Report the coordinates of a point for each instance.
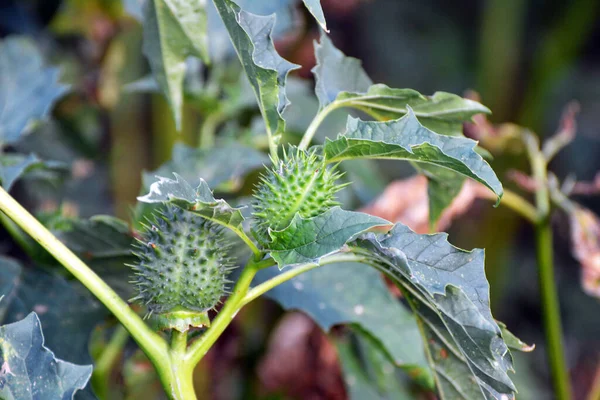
(199, 259)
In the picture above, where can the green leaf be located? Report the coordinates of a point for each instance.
(67, 310)
(307, 240)
(342, 82)
(200, 201)
(336, 73)
(266, 70)
(13, 166)
(368, 374)
(352, 293)
(448, 291)
(174, 30)
(443, 185)
(514, 342)
(407, 139)
(30, 370)
(314, 7)
(216, 165)
(443, 113)
(103, 242)
(28, 88)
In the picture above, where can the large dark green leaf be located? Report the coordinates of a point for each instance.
(174, 30)
(352, 293)
(308, 240)
(336, 73)
(103, 242)
(28, 88)
(407, 139)
(448, 291)
(30, 370)
(200, 201)
(266, 70)
(216, 165)
(67, 311)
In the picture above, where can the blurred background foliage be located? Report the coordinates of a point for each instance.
(526, 59)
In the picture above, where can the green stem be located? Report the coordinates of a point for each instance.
(516, 203)
(242, 235)
(208, 130)
(178, 341)
(545, 257)
(200, 347)
(178, 381)
(264, 287)
(242, 295)
(107, 360)
(151, 343)
(314, 125)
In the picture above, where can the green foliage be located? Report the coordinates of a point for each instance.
(307, 240)
(266, 70)
(353, 293)
(341, 82)
(28, 89)
(174, 30)
(182, 263)
(30, 370)
(447, 289)
(182, 260)
(407, 139)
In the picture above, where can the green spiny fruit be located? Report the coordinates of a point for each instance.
(182, 268)
(300, 183)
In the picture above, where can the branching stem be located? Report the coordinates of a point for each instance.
(545, 256)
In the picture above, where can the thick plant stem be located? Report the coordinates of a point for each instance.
(545, 259)
(106, 362)
(151, 343)
(179, 383)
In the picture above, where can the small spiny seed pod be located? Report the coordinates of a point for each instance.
(182, 268)
(301, 183)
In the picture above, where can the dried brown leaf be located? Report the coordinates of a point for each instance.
(300, 362)
(406, 201)
(585, 241)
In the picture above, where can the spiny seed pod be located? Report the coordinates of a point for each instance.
(298, 183)
(182, 268)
